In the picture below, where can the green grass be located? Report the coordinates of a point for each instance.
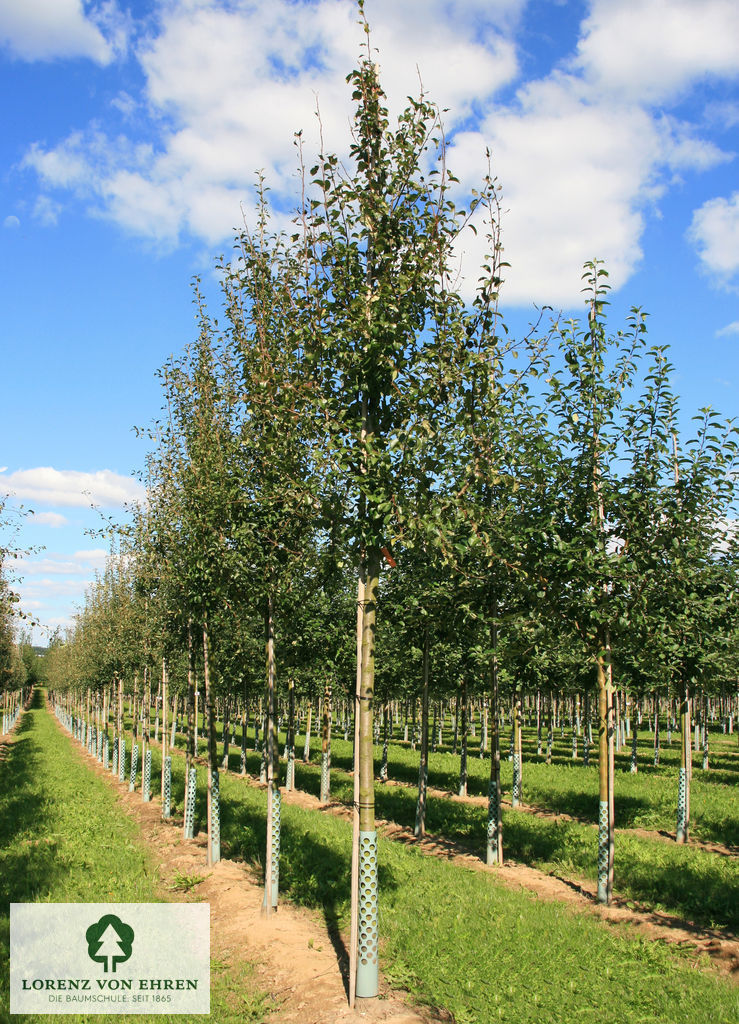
(53, 849)
(459, 940)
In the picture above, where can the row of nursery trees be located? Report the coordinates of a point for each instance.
(20, 667)
(536, 518)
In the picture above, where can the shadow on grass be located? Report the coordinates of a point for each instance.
(28, 868)
(313, 873)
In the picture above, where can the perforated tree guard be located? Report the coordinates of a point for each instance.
(134, 766)
(190, 804)
(492, 825)
(324, 778)
(516, 794)
(574, 746)
(122, 761)
(367, 965)
(276, 816)
(215, 817)
(146, 788)
(106, 753)
(603, 851)
(263, 767)
(681, 832)
(167, 789)
(290, 772)
(115, 756)
(585, 750)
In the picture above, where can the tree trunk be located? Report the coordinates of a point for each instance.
(272, 862)
(494, 854)
(462, 710)
(605, 774)
(683, 792)
(517, 790)
(326, 745)
(423, 768)
(368, 968)
(213, 802)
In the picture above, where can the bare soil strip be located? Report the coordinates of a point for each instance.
(541, 812)
(296, 961)
(720, 945)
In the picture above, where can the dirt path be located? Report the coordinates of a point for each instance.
(296, 960)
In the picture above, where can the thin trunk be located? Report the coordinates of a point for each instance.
(213, 803)
(423, 768)
(271, 863)
(368, 968)
(494, 854)
(462, 699)
(354, 933)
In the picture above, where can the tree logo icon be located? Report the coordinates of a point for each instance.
(109, 942)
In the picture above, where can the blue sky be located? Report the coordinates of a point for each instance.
(132, 132)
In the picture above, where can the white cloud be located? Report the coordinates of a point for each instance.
(46, 211)
(578, 178)
(49, 29)
(81, 563)
(11, 222)
(228, 86)
(732, 328)
(580, 154)
(49, 486)
(53, 519)
(715, 233)
(47, 588)
(650, 50)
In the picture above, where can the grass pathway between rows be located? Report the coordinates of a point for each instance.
(459, 940)
(64, 838)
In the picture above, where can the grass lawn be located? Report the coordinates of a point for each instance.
(54, 849)
(461, 941)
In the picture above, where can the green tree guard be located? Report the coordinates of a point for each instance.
(682, 816)
(122, 760)
(167, 791)
(215, 818)
(603, 841)
(493, 844)
(367, 963)
(146, 788)
(275, 873)
(325, 777)
(190, 804)
(516, 792)
(134, 766)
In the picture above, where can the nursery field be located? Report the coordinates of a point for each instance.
(461, 943)
(65, 839)
(554, 830)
